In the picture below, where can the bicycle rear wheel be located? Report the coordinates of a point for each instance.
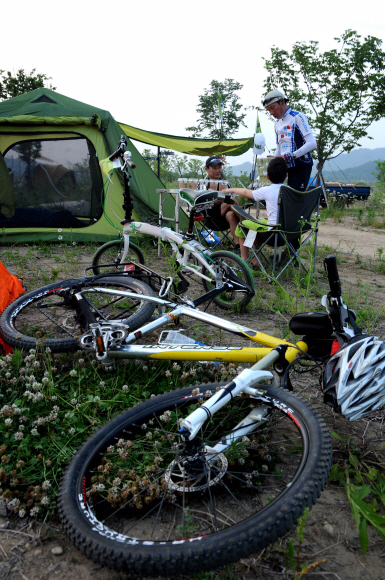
(51, 313)
(136, 497)
(231, 299)
(111, 253)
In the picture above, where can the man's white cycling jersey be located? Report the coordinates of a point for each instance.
(294, 136)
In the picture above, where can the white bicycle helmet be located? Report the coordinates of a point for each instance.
(273, 97)
(354, 377)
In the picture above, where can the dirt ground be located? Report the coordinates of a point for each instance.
(32, 550)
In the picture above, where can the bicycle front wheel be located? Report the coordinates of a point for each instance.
(109, 256)
(51, 314)
(137, 497)
(231, 299)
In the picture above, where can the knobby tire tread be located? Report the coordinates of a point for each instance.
(224, 547)
(17, 340)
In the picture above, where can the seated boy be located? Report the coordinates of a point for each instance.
(276, 173)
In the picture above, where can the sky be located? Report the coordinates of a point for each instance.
(147, 62)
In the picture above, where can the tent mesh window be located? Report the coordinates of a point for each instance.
(55, 182)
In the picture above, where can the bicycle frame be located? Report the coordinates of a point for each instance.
(287, 354)
(177, 242)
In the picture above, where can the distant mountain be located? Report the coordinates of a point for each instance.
(238, 169)
(352, 174)
(357, 165)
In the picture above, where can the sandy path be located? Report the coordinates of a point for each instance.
(348, 237)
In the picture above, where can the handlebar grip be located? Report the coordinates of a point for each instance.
(131, 164)
(115, 155)
(120, 150)
(330, 265)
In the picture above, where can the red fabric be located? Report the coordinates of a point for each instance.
(335, 347)
(10, 289)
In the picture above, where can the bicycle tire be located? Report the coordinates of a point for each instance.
(43, 315)
(138, 529)
(110, 253)
(231, 300)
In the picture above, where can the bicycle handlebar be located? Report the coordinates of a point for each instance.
(330, 265)
(120, 150)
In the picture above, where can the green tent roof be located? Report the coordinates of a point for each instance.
(204, 147)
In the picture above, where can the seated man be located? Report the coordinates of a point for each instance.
(221, 213)
(276, 173)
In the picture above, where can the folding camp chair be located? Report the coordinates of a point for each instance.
(294, 228)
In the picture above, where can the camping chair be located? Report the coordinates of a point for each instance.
(294, 229)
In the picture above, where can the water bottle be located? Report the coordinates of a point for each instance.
(176, 337)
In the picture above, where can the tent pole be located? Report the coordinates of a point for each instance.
(158, 162)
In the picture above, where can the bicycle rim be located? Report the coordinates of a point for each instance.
(136, 487)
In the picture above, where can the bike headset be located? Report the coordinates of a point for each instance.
(354, 377)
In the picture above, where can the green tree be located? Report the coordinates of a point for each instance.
(342, 91)
(12, 85)
(166, 166)
(208, 123)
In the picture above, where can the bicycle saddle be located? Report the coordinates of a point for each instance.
(196, 197)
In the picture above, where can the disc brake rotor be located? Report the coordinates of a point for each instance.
(180, 476)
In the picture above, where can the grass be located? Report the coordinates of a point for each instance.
(50, 404)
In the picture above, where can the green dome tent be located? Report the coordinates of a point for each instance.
(51, 185)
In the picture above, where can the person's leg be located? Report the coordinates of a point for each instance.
(298, 176)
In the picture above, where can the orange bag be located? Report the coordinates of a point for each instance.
(10, 289)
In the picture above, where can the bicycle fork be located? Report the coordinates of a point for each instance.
(247, 382)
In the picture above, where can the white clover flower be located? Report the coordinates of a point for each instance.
(145, 367)
(241, 461)
(102, 384)
(34, 431)
(19, 436)
(110, 449)
(152, 397)
(45, 500)
(100, 487)
(36, 364)
(264, 468)
(21, 427)
(71, 431)
(125, 388)
(34, 511)
(21, 513)
(73, 373)
(8, 422)
(53, 398)
(81, 361)
(46, 484)
(32, 351)
(116, 481)
(96, 399)
(176, 367)
(45, 380)
(73, 401)
(8, 375)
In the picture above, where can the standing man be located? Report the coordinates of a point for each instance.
(221, 213)
(294, 138)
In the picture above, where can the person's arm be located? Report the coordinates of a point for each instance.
(309, 145)
(240, 191)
